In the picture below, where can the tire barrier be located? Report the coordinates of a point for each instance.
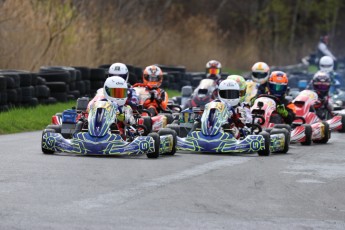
(53, 84)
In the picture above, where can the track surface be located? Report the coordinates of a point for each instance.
(303, 189)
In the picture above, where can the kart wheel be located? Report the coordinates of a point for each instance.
(170, 117)
(287, 138)
(325, 139)
(342, 130)
(174, 127)
(167, 131)
(156, 139)
(283, 126)
(56, 128)
(308, 132)
(46, 151)
(147, 122)
(266, 151)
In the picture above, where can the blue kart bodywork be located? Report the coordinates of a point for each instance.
(212, 138)
(98, 140)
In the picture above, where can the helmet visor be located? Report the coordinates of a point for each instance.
(229, 94)
(325, 66)
(152, 78)
(259, 75)
(116, 92)
(213, 71)
(321, 86)
(277, 89)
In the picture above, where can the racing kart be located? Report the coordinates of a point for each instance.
(213, 135)
(300, 132)
(203, 94)
(96, 133)
(305, 102)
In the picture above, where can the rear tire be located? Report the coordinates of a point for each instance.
(147, 122)
(56, 128)
(342, 130)
(172, 132)
(174, 127)
(266, 151)
(325, 139)
(308, 132)
(156, 139)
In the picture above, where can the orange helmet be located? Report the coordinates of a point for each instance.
(277, 83)
(153, 76)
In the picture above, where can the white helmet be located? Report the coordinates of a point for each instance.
(229, 91)
(260, 72)
(326, 64)
(213, 69)
(119, 69)
(115, 90)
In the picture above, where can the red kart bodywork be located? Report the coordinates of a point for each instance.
(272, 118)
(304, 103)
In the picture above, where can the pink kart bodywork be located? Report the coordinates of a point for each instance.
(304, 103)
(297, 134)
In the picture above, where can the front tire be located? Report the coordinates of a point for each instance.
(287, 138)
(157, 141)
(172, 132)
(266, 151)
(46, 151)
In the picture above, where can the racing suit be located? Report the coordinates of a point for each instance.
(158, 101)
(240, 115)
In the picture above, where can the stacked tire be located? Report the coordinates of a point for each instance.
(97, 79)
(3, 93)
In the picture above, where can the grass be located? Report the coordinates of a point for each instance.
(37, 118)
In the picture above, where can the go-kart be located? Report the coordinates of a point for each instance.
(265, 105)
(213, 135)
(305, 102)
(97, 134)
(203, 94)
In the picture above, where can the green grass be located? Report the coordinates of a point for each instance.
(30, 119)
(37, 118)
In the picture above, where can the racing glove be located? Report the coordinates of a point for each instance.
(156, 95)
(282, 110)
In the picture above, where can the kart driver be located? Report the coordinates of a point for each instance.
(152, 80)
(327, 65)
(321, 84)
(229, 94)
(120, 70)
(115, 90)
(214, 70)
(277, 86)
(260, 74)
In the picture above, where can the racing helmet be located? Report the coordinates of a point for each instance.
(213, 69)
(321, 83)
(153, 76)
(278, 83)
(326, 64)
(119, 69)
(229, 91)
(241, 83)
(260, 72)
(115, 90)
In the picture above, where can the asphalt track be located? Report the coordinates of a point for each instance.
(303, 189)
